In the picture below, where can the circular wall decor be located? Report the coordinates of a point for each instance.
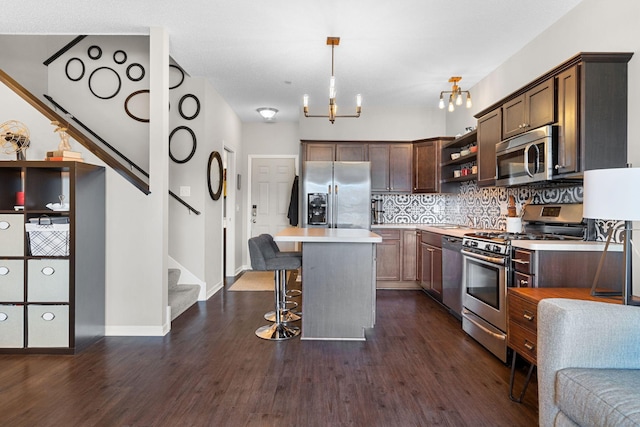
(137, 94)
(193, 145)
(214, 175)
(135, 72)
(94, 52)
(119, 56)
(109, 83)
(180, 74)
(74, 69)
(181, 108)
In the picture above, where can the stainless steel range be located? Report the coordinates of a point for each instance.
(487, 267)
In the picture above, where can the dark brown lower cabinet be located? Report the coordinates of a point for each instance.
(431, 263)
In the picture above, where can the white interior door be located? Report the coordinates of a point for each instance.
(271, 181)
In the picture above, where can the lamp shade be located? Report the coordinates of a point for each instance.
(612, 194)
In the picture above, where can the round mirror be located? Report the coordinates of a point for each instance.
(214, 175)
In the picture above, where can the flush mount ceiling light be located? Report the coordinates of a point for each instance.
(455, 95)
(267, 113)
(333, 107)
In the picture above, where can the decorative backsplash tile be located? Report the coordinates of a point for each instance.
(488, 205)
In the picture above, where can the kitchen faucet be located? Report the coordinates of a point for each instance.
(474, 223)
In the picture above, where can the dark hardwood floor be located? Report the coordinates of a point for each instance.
(417, 368)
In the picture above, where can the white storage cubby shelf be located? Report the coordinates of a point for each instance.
(52, 303)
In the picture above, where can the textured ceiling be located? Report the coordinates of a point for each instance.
(270, 53)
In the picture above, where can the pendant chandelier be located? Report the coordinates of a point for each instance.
(333, 107)
(455, 95)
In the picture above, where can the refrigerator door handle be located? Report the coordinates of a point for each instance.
(330, 208)
(336, 210)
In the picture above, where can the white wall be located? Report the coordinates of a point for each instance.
(593, 26)
(222, 129)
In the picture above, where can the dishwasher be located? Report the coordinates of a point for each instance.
(452, 274)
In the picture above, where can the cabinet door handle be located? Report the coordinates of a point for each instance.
(520, 261)
(559, 166)
(529, 316)
(529, 346)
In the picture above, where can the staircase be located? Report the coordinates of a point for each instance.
(181, 297)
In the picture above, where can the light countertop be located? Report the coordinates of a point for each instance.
(327, 235)
(533, 245)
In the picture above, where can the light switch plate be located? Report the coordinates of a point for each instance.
(185, 191)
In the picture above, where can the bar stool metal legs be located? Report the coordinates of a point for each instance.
(286, 306)
(279, 330)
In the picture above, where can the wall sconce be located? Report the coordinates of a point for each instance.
(455, 95)
(333, 107)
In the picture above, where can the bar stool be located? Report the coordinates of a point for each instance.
(263, 258)
(287, 294)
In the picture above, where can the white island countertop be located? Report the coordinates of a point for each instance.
(327, 235)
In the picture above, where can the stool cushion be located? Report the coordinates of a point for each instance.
(264, 257)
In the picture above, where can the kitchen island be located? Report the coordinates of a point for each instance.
(339, 281)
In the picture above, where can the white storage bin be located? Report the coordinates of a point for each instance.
(48, 280)
(47, 239)
(11, 235)
(11, 280)
(48, 325)
(11, 326)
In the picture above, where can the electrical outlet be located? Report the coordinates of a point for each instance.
(185, 191)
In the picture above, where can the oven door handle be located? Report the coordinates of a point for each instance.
(485, 330)
(491, 259)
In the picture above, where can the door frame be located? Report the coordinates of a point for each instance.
(229, 217)
(247, 228)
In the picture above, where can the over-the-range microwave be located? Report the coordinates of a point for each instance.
(527, 158)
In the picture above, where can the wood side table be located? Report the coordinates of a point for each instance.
(522, 324)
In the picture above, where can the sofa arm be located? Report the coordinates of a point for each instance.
(582, 334)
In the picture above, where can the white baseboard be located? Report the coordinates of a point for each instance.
(136, 331)
(214, 290)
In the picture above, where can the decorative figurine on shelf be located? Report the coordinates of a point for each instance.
(16, 135)
(64, 137)
(63, 153)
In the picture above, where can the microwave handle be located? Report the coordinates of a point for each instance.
(526, 160)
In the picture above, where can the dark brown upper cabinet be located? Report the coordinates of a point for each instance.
(532, 109)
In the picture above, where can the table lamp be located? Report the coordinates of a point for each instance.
(611, 194)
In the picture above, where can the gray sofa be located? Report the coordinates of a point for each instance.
(588, 363)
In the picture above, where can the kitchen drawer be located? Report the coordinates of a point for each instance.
(523, 313)
(11, 235)
(523, 341)
(523, 261)
(11, 326)
(433, 239)
(524, 280)
(11, 280)
(48, 280)
(48, 325)
(387, 234)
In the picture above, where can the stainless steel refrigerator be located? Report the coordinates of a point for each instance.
(336, 195)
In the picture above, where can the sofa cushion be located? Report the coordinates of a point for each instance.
(599, 397)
